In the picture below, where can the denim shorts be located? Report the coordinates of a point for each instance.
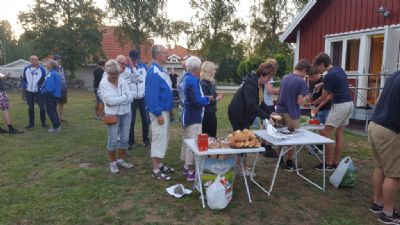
(121, 130)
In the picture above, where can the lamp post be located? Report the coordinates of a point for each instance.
(187, 32)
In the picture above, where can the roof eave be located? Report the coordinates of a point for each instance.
(291, 28)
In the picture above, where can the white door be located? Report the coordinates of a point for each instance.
(391, 51)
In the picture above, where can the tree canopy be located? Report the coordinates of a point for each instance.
(66, 27)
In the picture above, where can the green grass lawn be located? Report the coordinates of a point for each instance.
(43, 180)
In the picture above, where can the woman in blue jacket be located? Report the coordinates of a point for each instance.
(51, 91)
(193, 111)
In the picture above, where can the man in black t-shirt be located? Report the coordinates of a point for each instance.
(335, 85)
(322, 109)
(98, 75)
(384, 136)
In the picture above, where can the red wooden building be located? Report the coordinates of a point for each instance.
(361, 36)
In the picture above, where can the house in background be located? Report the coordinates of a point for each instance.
(15, 69)
(361, 36)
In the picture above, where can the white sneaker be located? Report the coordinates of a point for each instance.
(247, 171)
(114, 167)
(54, 130)
(124, 164)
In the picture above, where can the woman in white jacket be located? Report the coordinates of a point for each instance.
(117, 100)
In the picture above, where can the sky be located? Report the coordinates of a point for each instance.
(176, 10)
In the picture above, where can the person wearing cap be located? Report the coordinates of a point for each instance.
(139, 72)
(63, 99)
(51, 91)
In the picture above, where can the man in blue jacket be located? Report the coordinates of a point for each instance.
(32, 79)
(159, 102)
(193, 111)
(51, 91)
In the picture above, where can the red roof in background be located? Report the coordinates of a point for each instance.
(112, 47)
(178, 50)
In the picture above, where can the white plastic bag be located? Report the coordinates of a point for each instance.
(178, 190)
(340, 171)
(215, 193)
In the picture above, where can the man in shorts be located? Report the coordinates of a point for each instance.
(384, 136)
(292, 93)
(336, 85)
(159, 103)
(4, 106)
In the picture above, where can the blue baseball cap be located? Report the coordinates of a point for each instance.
(134, 54)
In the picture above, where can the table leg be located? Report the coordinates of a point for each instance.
(199, 175)
(305, 178)
(284, 150)
(244, 177)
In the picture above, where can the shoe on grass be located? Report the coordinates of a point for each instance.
(394, 219)
(114, 167)
(147, 144)
(16, 131)
(166, 169)
(190, 176)
(292, 167)
(45, 125)
(327, 167)
(29, 126)
(124, 164)
(375, 209)
(161, 176)
(54, 130)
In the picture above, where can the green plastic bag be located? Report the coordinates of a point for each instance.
(350, 177)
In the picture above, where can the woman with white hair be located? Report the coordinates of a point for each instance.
(207, 74)
(193, 110)
(117, 100)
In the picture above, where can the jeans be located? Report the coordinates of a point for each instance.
(31, 98)
(51, 108)
(139, 103)
(323, 115)
(121, 128)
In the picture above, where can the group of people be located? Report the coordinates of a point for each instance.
(124, 84)
(45, 86)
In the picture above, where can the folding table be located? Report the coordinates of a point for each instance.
(200, 157)
(304, 139)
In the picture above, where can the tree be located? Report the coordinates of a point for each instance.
(300, 4)
(268, 22)
(7, 42)
(214, 17)
(139, 20)
(66, 27)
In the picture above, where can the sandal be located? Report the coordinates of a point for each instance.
(161, 176)
(166, 169)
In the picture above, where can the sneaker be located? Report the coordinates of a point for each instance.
(124, 164)
(131, 146)
(292, 167)
(54, 130)
(45, 125)
(269, 152)
(147, 144)
(160, 176)
(327, 167)
(375, 209)
(16, 131)
(29, 127)
(113, 167)
(383, 218)
(3, 131)
(185, 171)
(190, 176)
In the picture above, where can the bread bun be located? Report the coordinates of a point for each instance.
(276, 117)
(240, 137)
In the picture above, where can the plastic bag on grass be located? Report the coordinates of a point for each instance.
(345, 174)
(219, 193)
